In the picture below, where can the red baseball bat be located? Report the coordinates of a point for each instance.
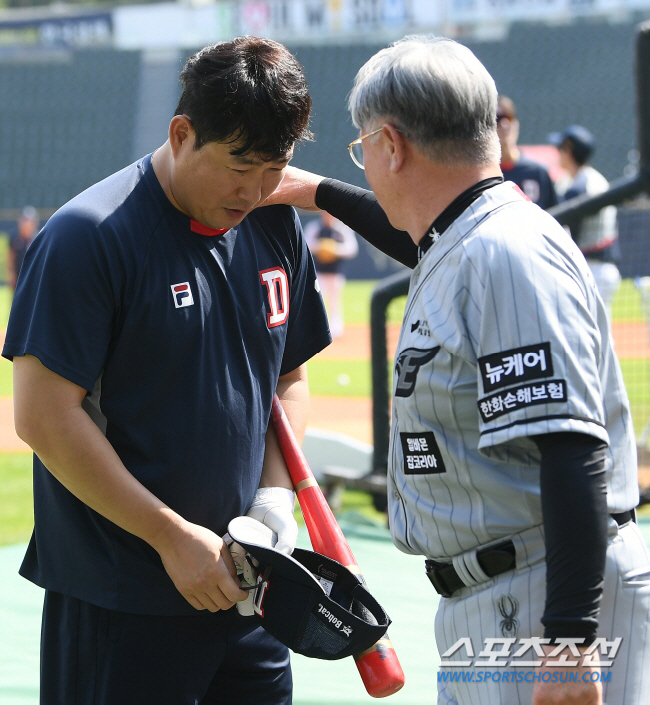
(378, 666)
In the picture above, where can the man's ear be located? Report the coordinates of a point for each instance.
(397, 146)
(180, 130)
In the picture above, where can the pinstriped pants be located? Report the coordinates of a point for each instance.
(510, 606)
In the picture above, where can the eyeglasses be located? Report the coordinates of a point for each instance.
(356, 148)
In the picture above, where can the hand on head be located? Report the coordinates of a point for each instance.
(297, 188)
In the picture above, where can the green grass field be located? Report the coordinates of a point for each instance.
(351, 378)
(341, 378)
(627, 304)
(636, 371)
(16, 515)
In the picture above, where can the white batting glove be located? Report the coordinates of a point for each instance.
(246, 572)
(273, 506)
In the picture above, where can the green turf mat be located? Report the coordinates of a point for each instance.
(20, 624)
(396, 580)
(400, 585)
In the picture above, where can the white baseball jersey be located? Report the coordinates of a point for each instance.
(504, 336)
(599, 230)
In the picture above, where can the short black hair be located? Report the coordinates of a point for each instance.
(250, 92)
(579, 151)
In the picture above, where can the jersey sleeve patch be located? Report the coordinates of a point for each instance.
(495, 405)
(421, 454)
(510, 367)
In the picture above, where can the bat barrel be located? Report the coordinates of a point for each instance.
(378, 666)
(380, 669)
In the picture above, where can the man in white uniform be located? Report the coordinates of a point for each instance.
(595, 235)
(331, 244)
(512, 464)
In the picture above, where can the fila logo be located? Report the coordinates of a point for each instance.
(182, 295)
(277, 289)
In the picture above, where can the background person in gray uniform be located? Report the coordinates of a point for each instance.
(512, 463)
(595, 235)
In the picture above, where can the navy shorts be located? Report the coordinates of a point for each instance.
(94, 656)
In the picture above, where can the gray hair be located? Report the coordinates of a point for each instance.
(436, 92)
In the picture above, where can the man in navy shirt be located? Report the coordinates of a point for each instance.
(531, 177)
(156, 316)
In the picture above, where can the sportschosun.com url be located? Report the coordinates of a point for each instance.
(467, 676)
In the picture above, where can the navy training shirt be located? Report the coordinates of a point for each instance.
(533, 179)
(179, 339)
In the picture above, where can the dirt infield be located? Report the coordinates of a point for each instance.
(352, 416)
(631, 340)
(9, 441)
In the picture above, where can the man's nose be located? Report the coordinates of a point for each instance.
(251, 191)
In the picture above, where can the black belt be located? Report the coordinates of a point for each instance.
(624, 517)
(494, 560)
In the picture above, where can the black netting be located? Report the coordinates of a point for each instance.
(320, 639)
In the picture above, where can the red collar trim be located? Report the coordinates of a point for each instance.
(507, 166)
(201, 229)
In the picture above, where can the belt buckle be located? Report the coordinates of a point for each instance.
(437, 581)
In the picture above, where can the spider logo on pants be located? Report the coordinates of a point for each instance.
(508, 607)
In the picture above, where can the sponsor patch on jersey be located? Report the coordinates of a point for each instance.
(182, 295)
(407, 367)
(421, 454)
(509, 367)
(546, 392)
